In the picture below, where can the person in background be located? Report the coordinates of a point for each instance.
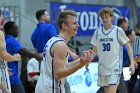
(136, 49)
(107, 41)
(13, 46)
(4, 57)
(43, 32)
(33, 73)
(123, 22)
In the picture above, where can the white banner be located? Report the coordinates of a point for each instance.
(84, 81)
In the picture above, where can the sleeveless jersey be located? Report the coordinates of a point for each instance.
(46, 82)
(109, 49)
(4, 76)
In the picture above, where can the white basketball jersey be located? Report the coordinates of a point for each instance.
(46, 82)
(109, 49)
(4, 76)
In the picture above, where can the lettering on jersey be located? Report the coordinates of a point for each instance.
(106, 39)
(106, 43)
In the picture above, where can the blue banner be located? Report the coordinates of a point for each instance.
(87, 15)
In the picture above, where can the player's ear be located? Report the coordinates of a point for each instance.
(64, 25)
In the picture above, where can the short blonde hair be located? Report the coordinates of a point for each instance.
(106, 10)
(62, 18)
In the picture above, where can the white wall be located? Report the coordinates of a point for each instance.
(9, 2)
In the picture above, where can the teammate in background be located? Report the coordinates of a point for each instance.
(5, 56)
(107, 41)
(123, 22)
(54, 67)
(43, 32)
(136, 50)
(13, 46)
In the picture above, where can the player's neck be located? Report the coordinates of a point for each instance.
(106, 27)
(64, 36)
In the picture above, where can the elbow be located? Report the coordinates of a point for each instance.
(58, 77)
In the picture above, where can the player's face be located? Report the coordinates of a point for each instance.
(15, 31)
(106, 19)
(46, 17)
(125, 25)
(132, 37)
(72, 25)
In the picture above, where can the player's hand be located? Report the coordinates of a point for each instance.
(17, 57)
(132, 69)
(86, 57)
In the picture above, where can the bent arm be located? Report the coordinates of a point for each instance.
(27, 53)
(3, 53)
(60, 51)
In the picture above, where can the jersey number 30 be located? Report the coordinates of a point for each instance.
(106, 47)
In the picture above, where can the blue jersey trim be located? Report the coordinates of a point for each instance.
(60, 87)
(108, 32)
(52, 46)
(52, 76)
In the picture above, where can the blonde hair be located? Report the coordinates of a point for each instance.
(62, 18)
(106, 10)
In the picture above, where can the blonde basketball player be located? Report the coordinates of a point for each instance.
(107, 42)
(55, 67)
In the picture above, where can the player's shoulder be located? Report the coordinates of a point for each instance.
(118, 28)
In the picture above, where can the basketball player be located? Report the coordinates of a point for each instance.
(107, 42)
(55, 67)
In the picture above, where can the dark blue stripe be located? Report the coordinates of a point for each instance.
(60, 87)
(52, 77)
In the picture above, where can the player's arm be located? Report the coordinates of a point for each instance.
(60, 51)
(27, 53)
(3, 53)
(131, 56)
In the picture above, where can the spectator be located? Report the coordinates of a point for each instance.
(136, 49)
(43, 32)
(13, 46)
(123, 22)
